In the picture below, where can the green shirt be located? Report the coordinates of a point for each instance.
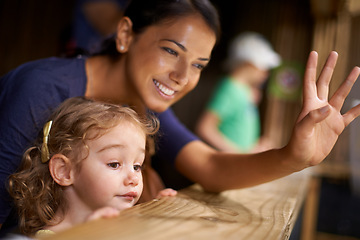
(239, 116)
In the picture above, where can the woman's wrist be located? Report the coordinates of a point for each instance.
(290, 161)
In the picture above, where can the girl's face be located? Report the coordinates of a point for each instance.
(165, 61)
(111, 174)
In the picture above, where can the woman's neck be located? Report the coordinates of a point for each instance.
(106, 81)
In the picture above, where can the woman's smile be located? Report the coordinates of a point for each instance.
(164, 90)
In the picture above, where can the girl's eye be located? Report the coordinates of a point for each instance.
(169, 50)
(138, 168)
(114, 165)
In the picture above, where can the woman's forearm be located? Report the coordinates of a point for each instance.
(217, 171)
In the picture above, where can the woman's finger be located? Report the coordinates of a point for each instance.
(309, 90)
(325, 76)
(351, 115)
(337, 100)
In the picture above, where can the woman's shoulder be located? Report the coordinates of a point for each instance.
(52, 65)
(173, 130)
(54, 72)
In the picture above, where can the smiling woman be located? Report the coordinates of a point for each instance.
(154, 59)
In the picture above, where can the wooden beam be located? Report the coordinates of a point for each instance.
(267, 211)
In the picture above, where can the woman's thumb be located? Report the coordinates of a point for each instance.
(319, 114)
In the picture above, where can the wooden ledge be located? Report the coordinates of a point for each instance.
(267, 211)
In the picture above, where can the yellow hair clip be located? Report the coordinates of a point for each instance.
(44, 148)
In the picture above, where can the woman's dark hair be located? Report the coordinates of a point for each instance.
(145, 13)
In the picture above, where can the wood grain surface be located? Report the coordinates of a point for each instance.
(266, 211)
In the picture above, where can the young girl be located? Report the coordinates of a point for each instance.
(87, 164)
(155, 59)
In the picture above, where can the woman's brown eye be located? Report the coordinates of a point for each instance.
(199, 66)
(169, 50)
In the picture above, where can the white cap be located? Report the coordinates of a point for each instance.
(254, 48)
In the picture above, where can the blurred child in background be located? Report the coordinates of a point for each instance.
(231, 121)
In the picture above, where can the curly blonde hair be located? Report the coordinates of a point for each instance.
(36, 195)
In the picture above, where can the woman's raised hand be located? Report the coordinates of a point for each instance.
(320, 121)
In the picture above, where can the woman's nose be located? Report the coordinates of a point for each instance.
(180, 74)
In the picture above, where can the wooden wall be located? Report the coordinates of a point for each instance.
(31, 30)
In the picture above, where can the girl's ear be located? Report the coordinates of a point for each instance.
(124, 34)
(61, 170)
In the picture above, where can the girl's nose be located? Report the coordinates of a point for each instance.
(131, 178)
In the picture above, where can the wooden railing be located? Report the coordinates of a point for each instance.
(266, 211)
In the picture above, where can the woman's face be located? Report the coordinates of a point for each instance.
(164, 63)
